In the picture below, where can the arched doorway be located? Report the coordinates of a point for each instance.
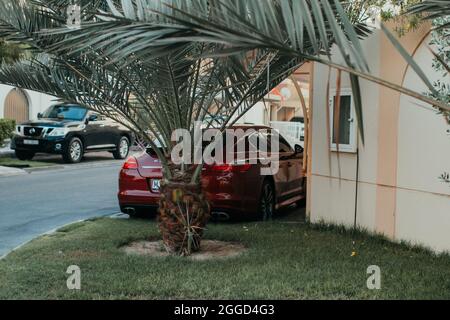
(16, 106)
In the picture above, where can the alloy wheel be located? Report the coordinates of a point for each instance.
(124, 148)
(75, 151)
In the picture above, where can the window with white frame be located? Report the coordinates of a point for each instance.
(346, 130)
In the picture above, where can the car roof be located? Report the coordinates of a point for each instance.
(249, 126)
(68, 105)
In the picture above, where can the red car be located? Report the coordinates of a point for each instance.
(233, 190)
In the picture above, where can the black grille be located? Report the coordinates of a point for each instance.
(32, 131)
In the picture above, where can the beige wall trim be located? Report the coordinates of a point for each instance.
(309, 144)
(383, 186)
(392, 68)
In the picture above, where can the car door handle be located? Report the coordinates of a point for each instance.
(102, 126)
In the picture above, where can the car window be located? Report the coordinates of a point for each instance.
(283, 145)
(93, 117)
(258, 140)
(65, 112)
(239, 141)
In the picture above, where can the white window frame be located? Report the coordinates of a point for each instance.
(352, 146)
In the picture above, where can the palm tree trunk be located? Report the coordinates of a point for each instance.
(183, 213)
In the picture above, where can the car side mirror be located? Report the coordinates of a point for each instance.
(299, 149)
(39, 115)
(91, 118)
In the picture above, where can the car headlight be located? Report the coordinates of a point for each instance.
(59, 132)
(18, 130)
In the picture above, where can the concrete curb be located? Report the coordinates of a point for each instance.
(46, 168)
(114, 215)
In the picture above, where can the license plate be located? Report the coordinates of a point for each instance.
(156, 184)
(31, 142)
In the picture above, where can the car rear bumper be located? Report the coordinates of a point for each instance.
(134, 191)
(138, 209)
(144, 199)
(224, 209)
(229, 198)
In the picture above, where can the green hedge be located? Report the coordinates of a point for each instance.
(6, 129)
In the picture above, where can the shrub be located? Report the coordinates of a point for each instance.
(6, 129)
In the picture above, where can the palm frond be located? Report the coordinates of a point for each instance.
(147, 30)
(432, 9)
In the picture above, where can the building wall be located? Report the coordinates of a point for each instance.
(257, 115)
(333, 178)
(423, 201)
(38, 102)
(405, 151)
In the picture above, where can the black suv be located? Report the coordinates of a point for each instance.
(70, 130)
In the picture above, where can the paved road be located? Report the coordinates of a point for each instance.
(35, 203)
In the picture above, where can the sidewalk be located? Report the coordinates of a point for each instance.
(7, 172)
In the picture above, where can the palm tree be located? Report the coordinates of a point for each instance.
(153, 96)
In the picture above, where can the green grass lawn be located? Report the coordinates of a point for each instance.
(283, 261)
(11, 162)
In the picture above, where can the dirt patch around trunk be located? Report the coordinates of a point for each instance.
(210, 250)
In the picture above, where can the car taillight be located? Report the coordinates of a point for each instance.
(130, 164)
(231, 167)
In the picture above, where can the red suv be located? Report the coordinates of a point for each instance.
(233, 190)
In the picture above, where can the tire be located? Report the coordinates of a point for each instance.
(74, 151)
(24, 155)
(266, 206)
(302, 203)
(122, 149)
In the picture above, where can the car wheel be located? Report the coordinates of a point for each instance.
(132, 215)
(74, 151)
(24, 155)
(267, 202)
(122, 149)
(302, 203)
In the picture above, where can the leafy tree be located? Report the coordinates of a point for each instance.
(6, 130)
(441, 63)
(9, 53)
(387, 10)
